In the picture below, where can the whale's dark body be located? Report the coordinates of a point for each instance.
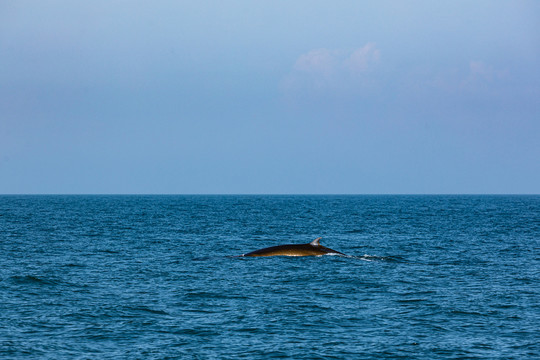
(311, 249)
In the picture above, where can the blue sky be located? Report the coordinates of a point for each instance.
(269, 97)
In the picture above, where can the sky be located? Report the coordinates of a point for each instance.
(269, 97)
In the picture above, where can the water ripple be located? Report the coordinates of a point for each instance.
(122, 277)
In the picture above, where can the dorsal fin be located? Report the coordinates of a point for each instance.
(315, 242)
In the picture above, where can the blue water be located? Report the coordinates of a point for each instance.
(152, 277)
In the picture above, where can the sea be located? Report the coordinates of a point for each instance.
(158, 277)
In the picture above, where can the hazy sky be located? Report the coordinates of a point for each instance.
(269, 96)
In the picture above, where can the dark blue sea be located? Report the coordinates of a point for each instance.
(154, 277)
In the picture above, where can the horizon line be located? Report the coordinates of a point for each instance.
(269, 194)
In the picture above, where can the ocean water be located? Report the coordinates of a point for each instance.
(154, 277)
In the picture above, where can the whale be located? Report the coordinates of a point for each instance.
(313, 248)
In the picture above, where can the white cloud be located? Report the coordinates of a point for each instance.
(321, 62)
(332, 69)
(354, 78)
(473, 78)
(479, 71)
(363, 59)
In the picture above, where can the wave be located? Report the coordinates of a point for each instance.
(145, 309)
(31, 279)
(355, 231)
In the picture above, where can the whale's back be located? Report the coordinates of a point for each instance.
(311, 249)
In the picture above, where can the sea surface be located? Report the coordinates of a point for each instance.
(155, 277)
